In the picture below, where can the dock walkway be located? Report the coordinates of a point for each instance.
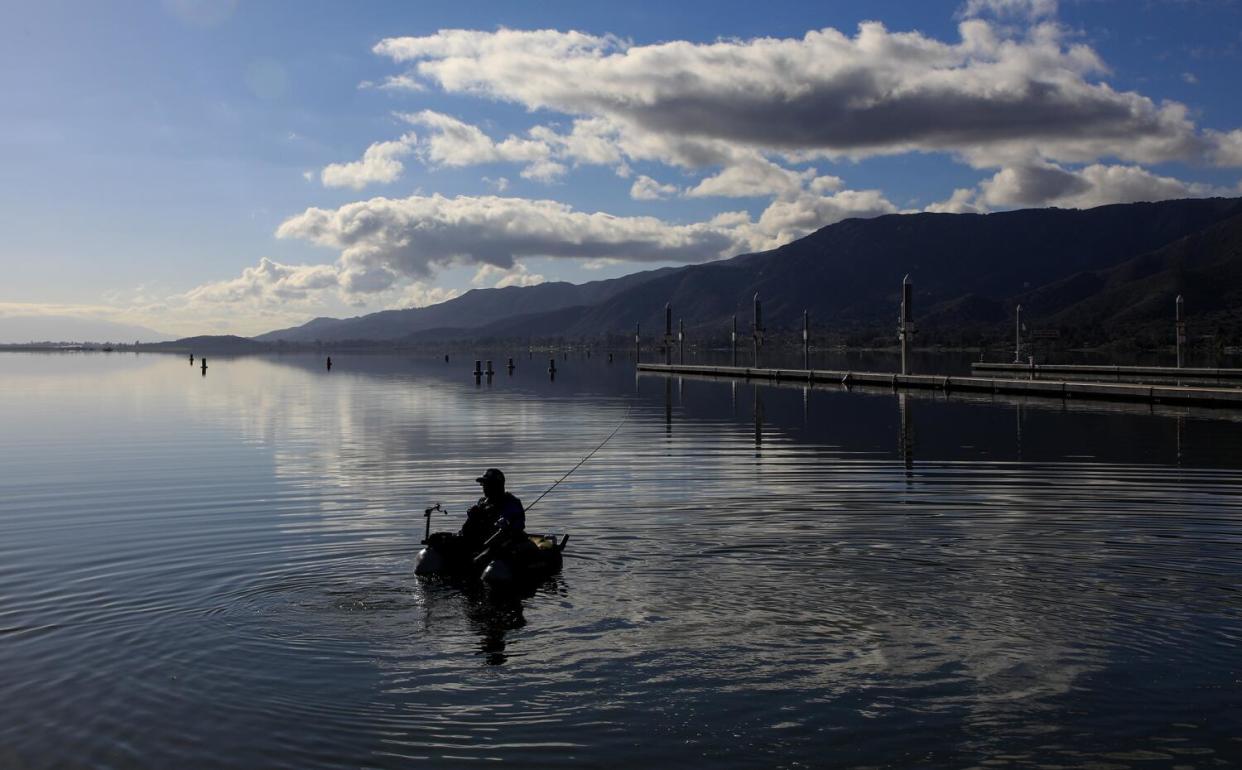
(1186, 372)
(1110, 391)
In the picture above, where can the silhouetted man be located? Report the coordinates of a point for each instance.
(496, 510)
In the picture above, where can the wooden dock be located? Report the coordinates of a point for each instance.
(1064, 389)
(1132, 372)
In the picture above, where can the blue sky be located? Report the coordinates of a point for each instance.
(199, 166)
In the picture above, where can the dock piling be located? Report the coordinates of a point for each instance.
(905, 322)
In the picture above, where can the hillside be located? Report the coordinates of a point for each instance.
(1097, 267)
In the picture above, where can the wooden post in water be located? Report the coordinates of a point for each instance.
(806, 340)
(905, 322)
(758, 328)
(1181, 330)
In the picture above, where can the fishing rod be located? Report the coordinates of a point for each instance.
(583, 460)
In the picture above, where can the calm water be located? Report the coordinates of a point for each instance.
(215, 571)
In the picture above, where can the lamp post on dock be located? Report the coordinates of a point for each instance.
(638, 343)
(806, 340)
(733, 340)
(681, 340)
(758, 328)
(1181, 330)
(668, 334)
(1017, 335)
(905, 322)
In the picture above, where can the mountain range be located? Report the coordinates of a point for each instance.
(1091, 274)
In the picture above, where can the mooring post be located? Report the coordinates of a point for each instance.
(191, 359)
(1181, 330)
(733, 340)
(668, 333)
(1017, 335)
(638, 344)
(510, 366)
(758, 328)
(329, 363)
(203, 361)
(905, 323)
(478, 368)
(681, 340)
(806, 340)
(490, 371)
(552, 368)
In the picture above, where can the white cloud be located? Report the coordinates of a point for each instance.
(647, 189)
(1022, 9)
(789, 218)
(1045, 184)
(267, 283)
(382, 240)
(454, 143)
(499, 184)
(499, 277)
(989, 97)
(379, 164)
(1227, 147)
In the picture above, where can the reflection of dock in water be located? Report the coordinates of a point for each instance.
(1057, 389)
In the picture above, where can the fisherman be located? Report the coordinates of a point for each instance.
(497, 510)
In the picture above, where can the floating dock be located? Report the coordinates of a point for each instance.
(1065, 389)
(1062, 370)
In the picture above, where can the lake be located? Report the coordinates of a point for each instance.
(215, 570)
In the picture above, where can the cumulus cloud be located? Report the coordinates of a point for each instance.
(1022, 9)
(453, 142)
(499, 278)
(383, 239)
(1227, 147)
(267, 282)
(988, 97)
(647, 189)
(379, 164)
(1046, 184)
(789, 218)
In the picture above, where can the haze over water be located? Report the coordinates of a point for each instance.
(216, 571)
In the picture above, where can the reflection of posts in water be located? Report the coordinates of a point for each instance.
(1181, 437)
(733, 398)
(905, 438)
(1018, 415)
(681, 391)
(668, 405)
(758, 410)
(551, 368)
(806, 400)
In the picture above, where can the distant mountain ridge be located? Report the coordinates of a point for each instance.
(1092, 268)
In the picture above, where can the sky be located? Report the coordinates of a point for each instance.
(232, 167)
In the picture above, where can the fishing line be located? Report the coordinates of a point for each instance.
(583, 460)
